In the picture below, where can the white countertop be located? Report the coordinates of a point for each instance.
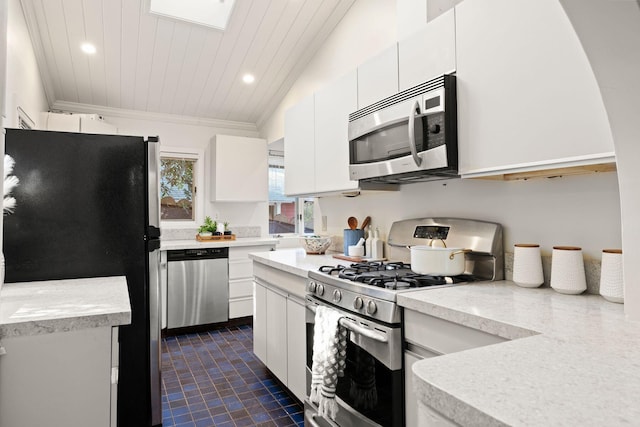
(574, 359)
(167, 245)
(296, 261)
(33, 308)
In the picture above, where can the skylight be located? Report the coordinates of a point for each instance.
(211, 13)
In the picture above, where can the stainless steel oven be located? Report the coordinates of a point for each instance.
(373, 368)
(408, 137)
(365, 297)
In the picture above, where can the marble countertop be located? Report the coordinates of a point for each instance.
(167, 245)
(573, 359)
(296, 261)
(34, 308)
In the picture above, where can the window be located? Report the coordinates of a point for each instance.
(286, 214)
(177, 188)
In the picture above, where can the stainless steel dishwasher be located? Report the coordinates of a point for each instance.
(197, 287)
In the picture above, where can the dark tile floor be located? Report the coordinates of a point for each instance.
(214, 379)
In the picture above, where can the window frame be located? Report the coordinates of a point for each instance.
(198, 184)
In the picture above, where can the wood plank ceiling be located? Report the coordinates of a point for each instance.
(159, 65)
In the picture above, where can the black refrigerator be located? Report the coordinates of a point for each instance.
(88, 206)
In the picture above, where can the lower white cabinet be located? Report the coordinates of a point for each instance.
(60, 379)
(277, 334)
(241, 279)
(279, 325)
(427, 336)
(296, 347)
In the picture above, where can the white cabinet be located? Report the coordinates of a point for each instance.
(83, 123)
(60, 379)
(428, 53)
(527, 97)
(316, 142)
(92, 123)
(239, 169)
(378, 77)
(279, 325)
(61, 122)
(241, 279)
(277, 334)
(427, 336)
(332, 107)
(260, 321)
(296, 348)
(299, 142)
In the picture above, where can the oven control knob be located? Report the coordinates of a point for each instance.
(320, 289)
(337, 295)
(358, 303)
(312, 287)
(434, 129)
(371, 307)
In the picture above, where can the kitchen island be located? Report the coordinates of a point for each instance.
(59, 359)
(571, 359)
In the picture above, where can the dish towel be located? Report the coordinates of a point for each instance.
(329, 353)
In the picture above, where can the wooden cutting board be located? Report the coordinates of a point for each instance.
(357, 258)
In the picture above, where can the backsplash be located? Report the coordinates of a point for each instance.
(591, 269)
(190, 233)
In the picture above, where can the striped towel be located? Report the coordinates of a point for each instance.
(329, 353)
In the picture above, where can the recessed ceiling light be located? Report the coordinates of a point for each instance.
(248, 78)
(88, 48)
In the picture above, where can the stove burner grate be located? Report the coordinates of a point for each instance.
(391, 275)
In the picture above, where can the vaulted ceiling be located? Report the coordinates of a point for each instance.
(154, 64)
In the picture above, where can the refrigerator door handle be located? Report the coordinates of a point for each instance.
(154, 183)
(154, 332)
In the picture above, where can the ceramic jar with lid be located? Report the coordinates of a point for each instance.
(567, 270)
(527, 265)
(611, 286)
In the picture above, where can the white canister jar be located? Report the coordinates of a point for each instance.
(611, 285)
(527, 265)
(567, 270)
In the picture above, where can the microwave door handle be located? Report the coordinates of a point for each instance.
(415, 109)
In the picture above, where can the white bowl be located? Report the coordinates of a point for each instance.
(316, 245)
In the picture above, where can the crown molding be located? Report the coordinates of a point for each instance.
(74, 107)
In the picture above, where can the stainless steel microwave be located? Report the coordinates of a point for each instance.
(408, 137)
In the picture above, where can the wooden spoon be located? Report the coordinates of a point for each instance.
(353, 223)
(366, 222)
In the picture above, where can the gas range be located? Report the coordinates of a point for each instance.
(371, 288)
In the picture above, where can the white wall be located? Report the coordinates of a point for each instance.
(578, 211)
(368, 27)
(613, 49)
(197, 137)
(24, 87)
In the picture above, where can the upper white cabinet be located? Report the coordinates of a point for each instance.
(239, 169)
(428, 53)
(316, 141)
(92, 123)
(527, 97)
(299, 162)
(378, 77)
(84, 123)
(332, 107)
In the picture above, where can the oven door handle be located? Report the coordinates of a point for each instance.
(354, 327)
(311, 417)
(415, 109)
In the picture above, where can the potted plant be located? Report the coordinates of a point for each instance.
(208, 228)
(227, 232)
